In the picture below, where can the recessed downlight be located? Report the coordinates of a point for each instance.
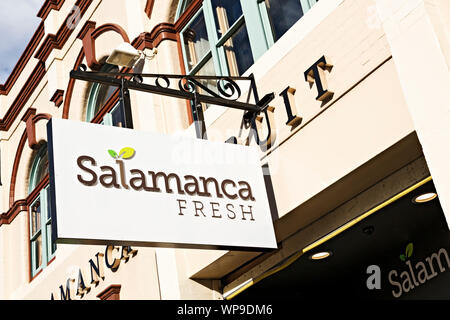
(425, 197)
(320, 255)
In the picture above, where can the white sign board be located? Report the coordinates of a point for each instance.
(112, 185)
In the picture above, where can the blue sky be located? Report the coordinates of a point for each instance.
(18, 21)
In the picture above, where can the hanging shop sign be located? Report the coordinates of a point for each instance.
(120, 186)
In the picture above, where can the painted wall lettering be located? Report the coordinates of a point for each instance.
(316, 74)
(289, 104)
(111, 258)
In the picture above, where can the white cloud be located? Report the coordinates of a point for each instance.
(18, 22)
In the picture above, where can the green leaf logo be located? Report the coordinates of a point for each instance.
(125, 153)
(408, 252)
(113, 154)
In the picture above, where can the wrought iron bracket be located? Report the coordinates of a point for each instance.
(223, 91)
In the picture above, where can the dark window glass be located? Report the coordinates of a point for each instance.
(52, 247)
(36, 241)
(207, 70)
(42, 169)
(185, 5)
(196, 43)
(226, 12)
(49, 216)
(238, 52)
(104, 92)
(118, 117)
(37, 244)
(283, 14)
(35, 217)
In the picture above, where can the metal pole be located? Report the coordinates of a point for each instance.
(125, 100)
(199, 120)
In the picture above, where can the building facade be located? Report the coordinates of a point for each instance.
(352, 145)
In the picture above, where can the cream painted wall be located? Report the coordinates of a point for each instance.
(417, 35)
(143, 284)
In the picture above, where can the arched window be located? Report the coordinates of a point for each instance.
(225, 37)
(99, 95)
(39, 168)
(41, 246)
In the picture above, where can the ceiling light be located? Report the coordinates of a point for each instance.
(320, 255)
(425, 197)
(368, 230)
(125, 55)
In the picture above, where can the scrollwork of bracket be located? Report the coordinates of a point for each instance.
(226, 87)
(215, 90)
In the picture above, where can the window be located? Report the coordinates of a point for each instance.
(41, 245)
(225, 37)
(216, 40)
(290, 11)
(99, 95)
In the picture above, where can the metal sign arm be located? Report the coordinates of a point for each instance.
(223, 91)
